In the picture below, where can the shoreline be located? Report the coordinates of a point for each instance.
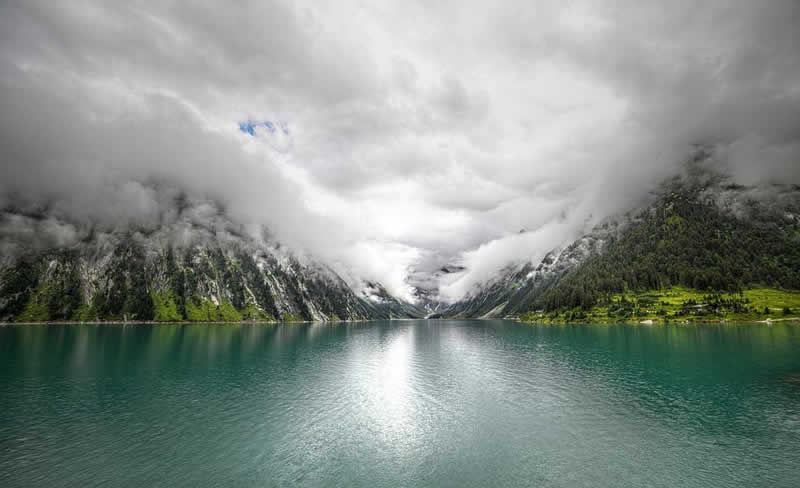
(661, 322)
(190, 322)
(298, 322)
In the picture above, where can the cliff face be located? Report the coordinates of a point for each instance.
(134, 276)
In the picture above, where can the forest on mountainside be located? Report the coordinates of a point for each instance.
(684, 239)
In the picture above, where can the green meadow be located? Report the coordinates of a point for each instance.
(680, 304)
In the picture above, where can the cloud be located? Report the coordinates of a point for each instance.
(416, 134)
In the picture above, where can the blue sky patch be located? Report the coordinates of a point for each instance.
(250, 126)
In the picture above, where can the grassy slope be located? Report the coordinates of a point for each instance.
(680, 304)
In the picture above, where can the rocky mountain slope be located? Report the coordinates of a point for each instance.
(426, 288)
(699, 231)
(514, 289)
(385, 305)
(143, 275)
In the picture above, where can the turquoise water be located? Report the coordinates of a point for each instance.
(403, 403)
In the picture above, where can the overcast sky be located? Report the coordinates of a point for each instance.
(389, 137)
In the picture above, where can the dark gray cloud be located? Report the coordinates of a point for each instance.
(417, 133)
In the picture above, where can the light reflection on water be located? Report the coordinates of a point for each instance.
(403, 403)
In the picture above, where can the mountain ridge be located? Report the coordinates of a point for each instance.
(638, 250)
(130, 275)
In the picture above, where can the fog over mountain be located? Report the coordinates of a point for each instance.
(386, 140)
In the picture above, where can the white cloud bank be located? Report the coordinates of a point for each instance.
(417, 134)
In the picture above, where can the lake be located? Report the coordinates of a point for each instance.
(400, 403)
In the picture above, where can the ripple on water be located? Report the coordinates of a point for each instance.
(412, 403)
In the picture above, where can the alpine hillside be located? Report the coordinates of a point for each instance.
(147, 274)
(699, 233)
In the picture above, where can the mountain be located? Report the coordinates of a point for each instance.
(700, 244)
(512, 291)
(147, 275)
(699, 232)
(426, 288)
(385, 305)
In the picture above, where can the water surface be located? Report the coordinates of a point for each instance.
(402, 403)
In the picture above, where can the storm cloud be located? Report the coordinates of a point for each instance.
(388, 139)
